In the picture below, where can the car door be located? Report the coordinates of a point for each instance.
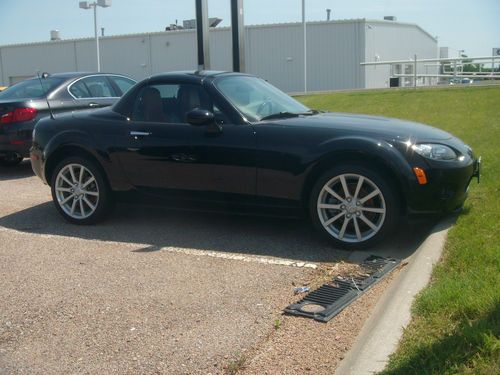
(162, 154)
(92, 92)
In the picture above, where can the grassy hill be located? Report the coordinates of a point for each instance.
(456, 319)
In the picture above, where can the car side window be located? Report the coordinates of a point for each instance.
(124, 84)
(156, 103)
(79, 90)
(92, 87)
(170, 102)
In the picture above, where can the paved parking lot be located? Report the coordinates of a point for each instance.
(149, 290)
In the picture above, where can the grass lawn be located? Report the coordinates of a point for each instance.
(456, 319)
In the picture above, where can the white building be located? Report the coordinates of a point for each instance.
(335, 50)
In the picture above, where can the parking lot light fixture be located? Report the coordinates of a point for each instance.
(95, 4)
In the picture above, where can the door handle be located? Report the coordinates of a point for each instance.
(93, 105)
(139, 134)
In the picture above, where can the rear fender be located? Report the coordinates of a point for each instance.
(77, 142)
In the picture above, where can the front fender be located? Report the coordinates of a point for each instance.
(360, 149)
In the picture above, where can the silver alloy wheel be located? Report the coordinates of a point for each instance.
(77, 191)
(351, 208)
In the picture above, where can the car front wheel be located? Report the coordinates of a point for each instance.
(80, 191)
(353, 206)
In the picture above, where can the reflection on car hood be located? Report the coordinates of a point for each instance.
(380, 127)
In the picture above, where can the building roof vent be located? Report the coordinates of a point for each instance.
(191, 24)
(390, 18)
(55, 35)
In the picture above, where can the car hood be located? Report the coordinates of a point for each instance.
(372, 126)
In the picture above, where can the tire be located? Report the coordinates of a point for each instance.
(359, 218)
(11, 160)
(81, 196)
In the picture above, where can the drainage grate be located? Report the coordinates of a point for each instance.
(327, 301)
(323, 303)
(375, 267)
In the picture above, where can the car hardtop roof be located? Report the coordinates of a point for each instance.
(196, 75)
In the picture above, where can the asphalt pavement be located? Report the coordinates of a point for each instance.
(149, 290)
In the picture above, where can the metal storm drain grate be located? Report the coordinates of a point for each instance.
(374, 267)
(328, 300)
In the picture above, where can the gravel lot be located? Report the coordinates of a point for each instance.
(152, 291)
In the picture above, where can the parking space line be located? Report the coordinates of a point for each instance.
(243, 258)
(192, 252)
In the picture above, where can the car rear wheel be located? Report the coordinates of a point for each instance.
(353, 206)
(80, 191)
(10, 160)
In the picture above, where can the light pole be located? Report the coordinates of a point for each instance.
(95, 4)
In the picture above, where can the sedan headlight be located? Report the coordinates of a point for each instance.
(434, 151)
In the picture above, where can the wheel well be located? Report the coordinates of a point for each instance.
(66, 152)
(370, 161)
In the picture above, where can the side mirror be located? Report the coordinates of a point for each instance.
(200, 117)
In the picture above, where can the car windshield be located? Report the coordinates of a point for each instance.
(257, 100)
(31, 88)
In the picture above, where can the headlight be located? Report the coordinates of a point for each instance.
(434, 151)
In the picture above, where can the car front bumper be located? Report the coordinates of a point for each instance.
(446, 190)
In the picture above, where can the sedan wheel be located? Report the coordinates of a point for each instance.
(353, 206)
(79, 191)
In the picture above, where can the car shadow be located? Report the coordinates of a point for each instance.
(22, 170)
(407, 238)
(154, 228)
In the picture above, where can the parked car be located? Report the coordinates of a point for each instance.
(461, 81)
(24, 103)
(211, 140)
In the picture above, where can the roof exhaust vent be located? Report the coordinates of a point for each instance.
(390, 18)
(55, 35)
(191, 24)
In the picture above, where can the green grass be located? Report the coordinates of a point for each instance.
(235, 365)
(455, 327)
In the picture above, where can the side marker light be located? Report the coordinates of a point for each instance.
(420, 174)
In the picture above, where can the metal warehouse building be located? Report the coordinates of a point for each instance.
(275, 52)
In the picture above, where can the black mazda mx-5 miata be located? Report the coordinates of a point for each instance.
(208, 140)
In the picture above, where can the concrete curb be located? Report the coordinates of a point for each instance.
(381, 333)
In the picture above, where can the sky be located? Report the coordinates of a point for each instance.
(470, 25)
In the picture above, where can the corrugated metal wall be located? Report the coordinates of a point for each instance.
(386, 41)
(275, 52)
(334, 51)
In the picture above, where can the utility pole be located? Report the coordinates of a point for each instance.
(304, 27)
(238, 35)
(202, 34)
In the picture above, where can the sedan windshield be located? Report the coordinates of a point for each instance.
(31, 88)
(258, 100)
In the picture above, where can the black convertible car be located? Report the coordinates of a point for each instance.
(212, 140)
